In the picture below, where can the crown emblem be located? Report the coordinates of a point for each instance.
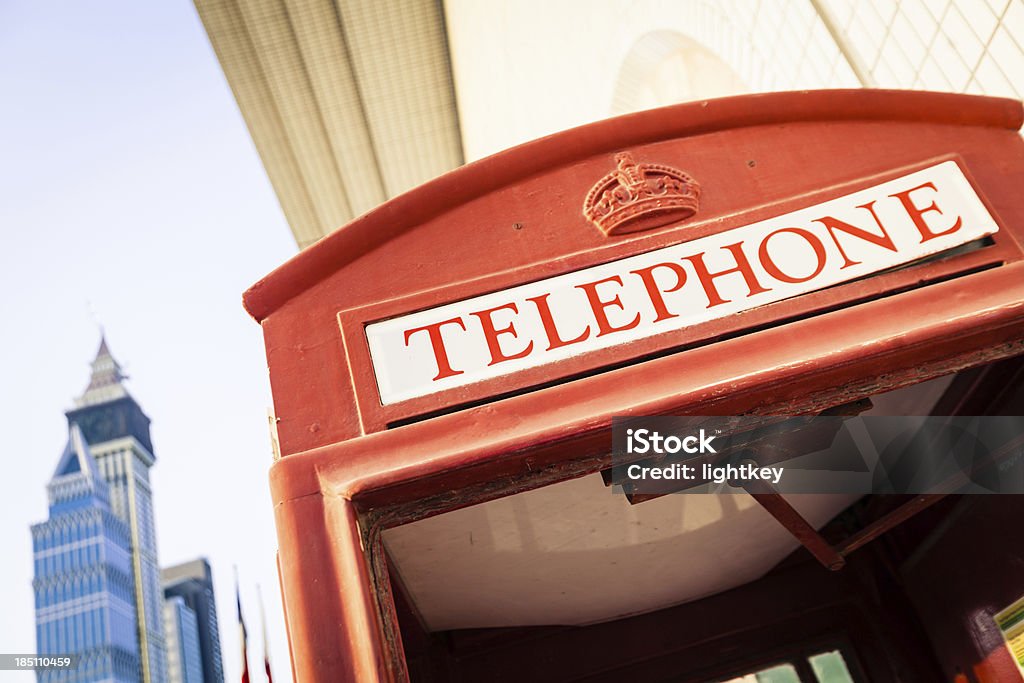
(637, 197)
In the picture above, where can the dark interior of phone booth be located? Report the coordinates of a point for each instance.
(913, 604)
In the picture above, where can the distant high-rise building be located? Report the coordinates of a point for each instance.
(181, 635)
(193, 582)
(84, 581)
(115, 432)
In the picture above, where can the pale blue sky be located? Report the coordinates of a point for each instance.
(129, 183)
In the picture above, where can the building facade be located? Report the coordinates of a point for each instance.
(115, 431)
(181, 636)
(192, 582)
(352, 102)
(84, 581)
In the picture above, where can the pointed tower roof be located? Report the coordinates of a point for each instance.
(105, 410)
(77, 475)
(103, 350)
(105, 383)
(76, 457)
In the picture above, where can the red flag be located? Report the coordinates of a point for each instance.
(266, 647)
(242, 633)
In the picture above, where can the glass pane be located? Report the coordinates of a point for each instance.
(830, 667)
(783, 673)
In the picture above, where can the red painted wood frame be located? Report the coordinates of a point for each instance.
(345, 475)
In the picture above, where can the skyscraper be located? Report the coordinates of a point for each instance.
(84, 587)
(112, 428)
(193, 582)
(181, 635)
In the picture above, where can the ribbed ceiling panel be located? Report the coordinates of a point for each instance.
(321, 42)
(278, 50)
(349, 103)
(230, 39)
(400, 58)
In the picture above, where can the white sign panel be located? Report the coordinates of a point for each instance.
(670, 289)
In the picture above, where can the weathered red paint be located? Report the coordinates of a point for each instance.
(345, 475)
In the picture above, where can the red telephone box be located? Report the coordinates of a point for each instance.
(470, 341)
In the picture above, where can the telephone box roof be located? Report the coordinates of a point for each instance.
(378, 226)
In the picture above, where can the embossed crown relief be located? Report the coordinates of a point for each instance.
(642, 196)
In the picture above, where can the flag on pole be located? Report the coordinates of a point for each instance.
(266, 646)
(242, 633)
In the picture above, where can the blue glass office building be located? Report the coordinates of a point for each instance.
(84, 585)
(193, 583)
(97, 583)
(181, 634)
